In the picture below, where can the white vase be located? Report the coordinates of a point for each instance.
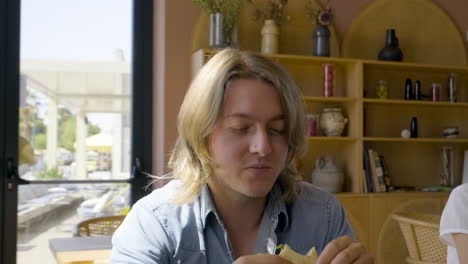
(327, 175)
(332, 122)
(270, 34)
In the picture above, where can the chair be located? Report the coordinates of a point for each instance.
(421, 233)
(392, 246)
(100, 226)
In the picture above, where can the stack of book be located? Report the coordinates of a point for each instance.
(377, 177)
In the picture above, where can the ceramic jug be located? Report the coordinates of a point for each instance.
(327, 175)
(332, 122)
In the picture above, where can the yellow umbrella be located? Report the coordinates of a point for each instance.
(99, 142)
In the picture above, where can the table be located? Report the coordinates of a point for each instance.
(81, 250)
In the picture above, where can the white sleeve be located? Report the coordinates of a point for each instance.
(455, 216)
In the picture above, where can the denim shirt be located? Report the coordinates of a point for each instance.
(158, 231)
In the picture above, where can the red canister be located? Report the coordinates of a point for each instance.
(328, 79)
(312, 125)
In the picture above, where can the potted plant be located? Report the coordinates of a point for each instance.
(223, 16)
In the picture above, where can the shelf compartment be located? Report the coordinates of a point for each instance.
(398, 194)
(417, 140)
(322, 99)
(331, 139)
(417, 162)
(351, 111)
(345, 151)
(408, 66)
(387, 121)
(369, 101)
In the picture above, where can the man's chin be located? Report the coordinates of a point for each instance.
(258, 191)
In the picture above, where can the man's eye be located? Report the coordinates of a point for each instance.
(240, 130)
(276, 132)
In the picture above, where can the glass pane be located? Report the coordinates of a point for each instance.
(75, 89)
(75, 95)
(46, 212)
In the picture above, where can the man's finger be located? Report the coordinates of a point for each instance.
(350, 254)
(333, 249)
(366, 259)
(261, 259)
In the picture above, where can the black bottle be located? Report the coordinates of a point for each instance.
(414, 127)
(417, 90)
(408, 89)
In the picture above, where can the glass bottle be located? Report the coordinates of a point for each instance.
(381, 89)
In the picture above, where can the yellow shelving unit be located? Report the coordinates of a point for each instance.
(377, 124)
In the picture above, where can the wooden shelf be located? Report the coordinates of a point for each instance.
(419, 140)
(399, 66)
(393, 194)
(322, 99)
(320, 138)
(311, 60)
(414, 103)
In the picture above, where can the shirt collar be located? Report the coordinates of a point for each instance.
(276, 206)
(206, 204)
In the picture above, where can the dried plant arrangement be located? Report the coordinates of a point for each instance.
(229, 8)
(321, 16)
(269, 9)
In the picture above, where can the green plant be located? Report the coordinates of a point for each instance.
(270, 9)
(40, 141)
(50, 174)
(230, 10)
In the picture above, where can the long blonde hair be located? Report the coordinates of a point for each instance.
(191, 161)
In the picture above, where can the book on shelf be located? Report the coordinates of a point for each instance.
(373, 171)
(364, 181)
(379, 172)
(377, 178)
(368, 172)
(386, 173)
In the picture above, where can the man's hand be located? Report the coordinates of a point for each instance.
(261, 259)
(344, 250)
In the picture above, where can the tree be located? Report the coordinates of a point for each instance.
(67, 129)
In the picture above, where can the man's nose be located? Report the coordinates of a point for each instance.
(260, 143)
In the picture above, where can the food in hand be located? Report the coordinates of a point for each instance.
(295, 258)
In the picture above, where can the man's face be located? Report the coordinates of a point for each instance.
(249, 142)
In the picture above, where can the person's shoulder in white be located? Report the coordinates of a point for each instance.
(455, 213)
(454, 220)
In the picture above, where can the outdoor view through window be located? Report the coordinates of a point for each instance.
(75, 102)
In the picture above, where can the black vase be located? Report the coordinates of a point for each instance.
(391, 51)
(321, 37)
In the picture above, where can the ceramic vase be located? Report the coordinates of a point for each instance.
(391, 51)
(332, 122)
(270, 36)
(327, 175)
(216, 31)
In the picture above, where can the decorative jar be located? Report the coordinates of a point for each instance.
(332, 122)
